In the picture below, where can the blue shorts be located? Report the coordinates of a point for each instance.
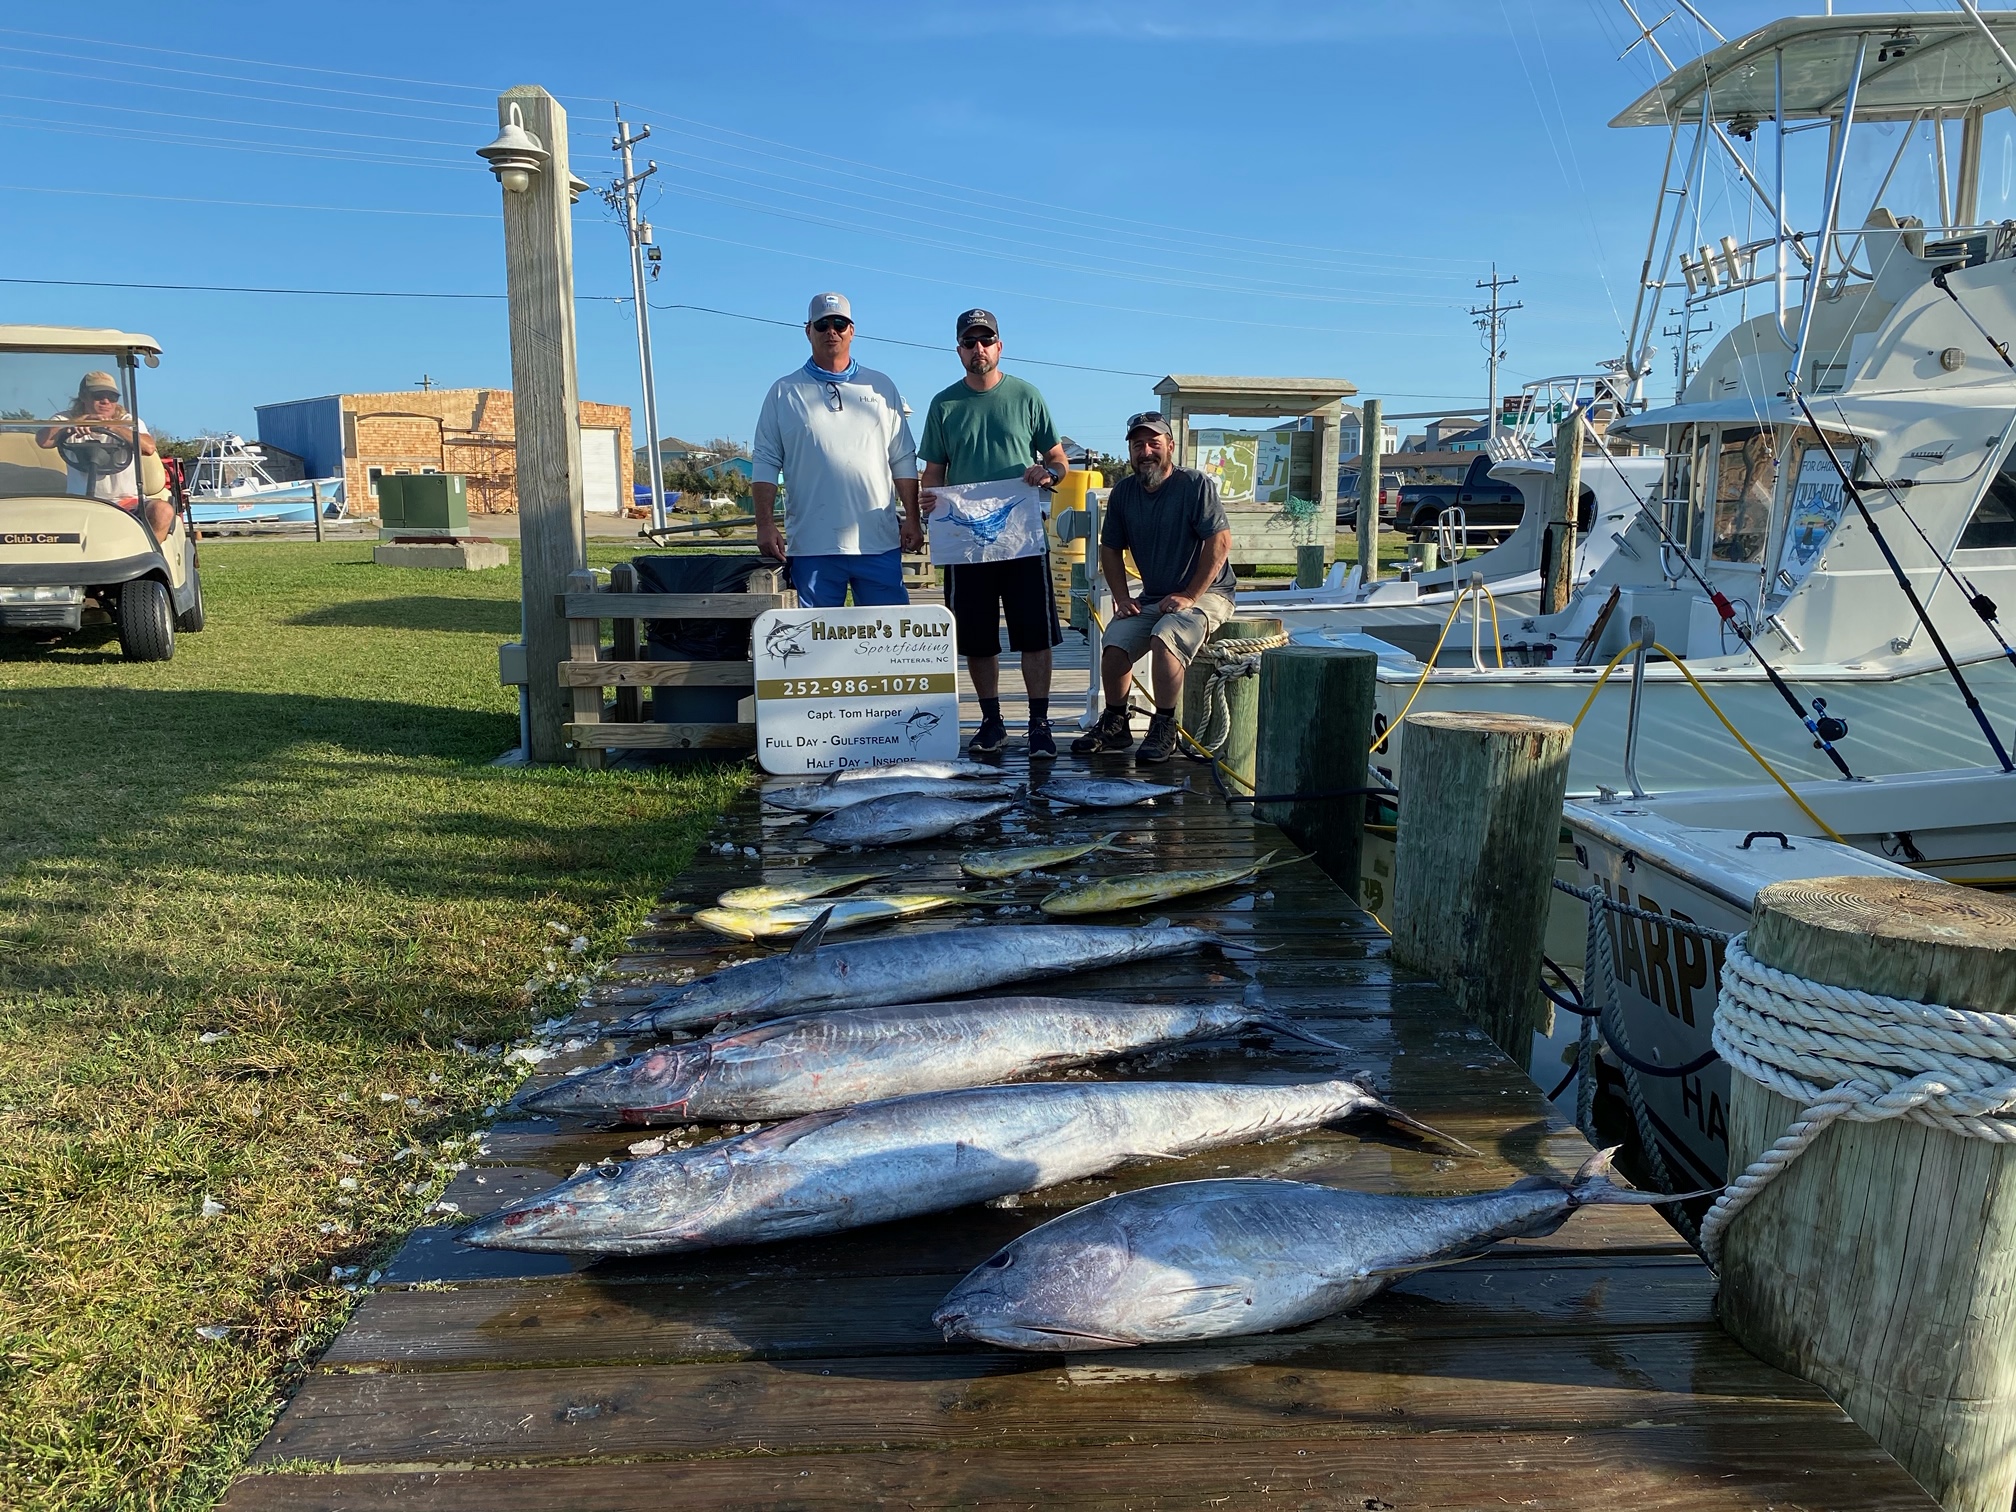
(822, 581)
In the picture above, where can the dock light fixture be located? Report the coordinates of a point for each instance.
(516, 156)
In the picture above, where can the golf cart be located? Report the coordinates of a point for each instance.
(94, 529)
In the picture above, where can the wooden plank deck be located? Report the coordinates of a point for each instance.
(1584, 1370)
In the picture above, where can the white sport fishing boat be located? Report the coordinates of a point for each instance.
(229, 484)
(1882, 349)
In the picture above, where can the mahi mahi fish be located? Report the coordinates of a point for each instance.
(1103, 792)
(907, 1155)
(901, 969)
(1208, 1259)
(817, 1061)
(1138, 891)
(795, 918)
(994, 865)
(826, 797)
(809, 885)
(900, 818)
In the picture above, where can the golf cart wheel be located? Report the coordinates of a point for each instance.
(191, 619)
(146, 621)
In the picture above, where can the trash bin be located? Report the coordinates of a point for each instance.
(696, 639)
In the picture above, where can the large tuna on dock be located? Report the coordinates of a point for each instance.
(818, 1061)
(900, 818)
(901, 969)
(1208, 1259)
(831, 795)
(884, 1160)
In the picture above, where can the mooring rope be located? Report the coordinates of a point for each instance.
(1844, 1054)
(1229, 660)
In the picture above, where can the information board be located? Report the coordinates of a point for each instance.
(840, 688)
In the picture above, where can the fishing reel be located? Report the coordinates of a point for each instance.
(1827, 726)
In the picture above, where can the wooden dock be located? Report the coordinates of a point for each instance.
(1580, 1371)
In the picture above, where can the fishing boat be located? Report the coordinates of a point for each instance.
(1835, 519)
(229, 484)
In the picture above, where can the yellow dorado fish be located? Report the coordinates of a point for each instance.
(994, 865)
(773, 923)
(1110, 893)
(783, 894)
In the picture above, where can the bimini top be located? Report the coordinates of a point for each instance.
(1915, 62)
(41, 338)
(1736, 409)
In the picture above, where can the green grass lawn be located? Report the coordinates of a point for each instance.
(248, 901)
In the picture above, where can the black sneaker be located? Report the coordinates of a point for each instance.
(1114, 732)
(1042, 744)
(1159, 744)
(989, 738)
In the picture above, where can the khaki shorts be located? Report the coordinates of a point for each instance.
(1183, 632)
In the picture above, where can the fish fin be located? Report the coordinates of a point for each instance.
(1413, 1125)
(1403, 1269)
(808, 942)
(784, 1135)
(1287, 1026)
(1228, 945)
(750, 1038)
(1268, 863)
(1593, 1184)
(832, 780)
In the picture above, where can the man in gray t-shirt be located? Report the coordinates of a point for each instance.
(1170, 518)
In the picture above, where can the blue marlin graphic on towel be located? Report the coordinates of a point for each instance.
(987, 526)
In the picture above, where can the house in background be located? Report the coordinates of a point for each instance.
(362, 437)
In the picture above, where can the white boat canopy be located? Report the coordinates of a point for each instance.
(1739, 409)
(47, 338)
(1916, 63)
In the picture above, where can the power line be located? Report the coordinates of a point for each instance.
(237, 144)
(177, 52)
(180, 288)
(190, 199)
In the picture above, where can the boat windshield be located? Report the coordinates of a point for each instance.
(1746, 478)
(68, 426)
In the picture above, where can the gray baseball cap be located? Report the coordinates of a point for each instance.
(829, 304)
(1149, 420)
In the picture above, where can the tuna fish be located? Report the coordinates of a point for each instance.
(795, 918)
(810, 885)
(934, 769)
(883, 1160)
(1143, 888)
(1103, 792)
(994, 865)
(817, 1061)
(828, 796)
(1208, 1259)
(901, 817)
(901, 969)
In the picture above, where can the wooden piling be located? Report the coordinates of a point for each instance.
(1564, 494)
(1881, 1264)
(1370, 429)
(1236, 746)
(1480, 819)
(1311, 562)
(1315, 727)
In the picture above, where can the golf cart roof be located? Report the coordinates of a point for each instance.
(1916, 62)
(45, 338)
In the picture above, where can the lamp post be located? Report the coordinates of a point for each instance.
(539, 269)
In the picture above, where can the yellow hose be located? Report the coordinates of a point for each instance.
(1576, 722)
(1427, 667)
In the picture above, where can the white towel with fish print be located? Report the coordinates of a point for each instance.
(986, 522)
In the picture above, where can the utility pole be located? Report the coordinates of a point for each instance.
(1491, 321)
(623, 195)
(1686, 338)
(426, 382)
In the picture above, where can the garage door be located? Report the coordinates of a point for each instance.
(601, 476)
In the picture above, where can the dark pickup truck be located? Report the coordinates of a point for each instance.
(1487, 503)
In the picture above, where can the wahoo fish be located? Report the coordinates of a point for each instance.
(1138, 891)
(817, 1061)
(828, 796)
(1210, 1259)
(994, 865)
(907, 1155)
(810, 885)
(939, 770)
(1103, 792)
(899, 818)
(899, 969)
(791, 919)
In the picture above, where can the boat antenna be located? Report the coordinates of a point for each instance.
(1978, 601)
(1904, 582)
(1824, 728)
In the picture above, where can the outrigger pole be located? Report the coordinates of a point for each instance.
(1904, 582)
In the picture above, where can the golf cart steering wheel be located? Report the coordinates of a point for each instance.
(96, 454)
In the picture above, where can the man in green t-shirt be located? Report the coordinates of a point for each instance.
(991, 428)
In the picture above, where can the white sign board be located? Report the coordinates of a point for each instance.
(986, 522)
(839, 688)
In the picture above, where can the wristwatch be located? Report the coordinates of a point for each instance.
(1055, 476)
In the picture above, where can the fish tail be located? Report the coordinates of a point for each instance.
(1413, 1125)
(1268, 863)
(1593, 1184)
(1288, 1027)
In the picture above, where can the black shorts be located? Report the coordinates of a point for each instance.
(981, 594)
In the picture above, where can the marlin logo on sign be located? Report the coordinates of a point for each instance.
(919, 725)
(986, 526)
(784, 642)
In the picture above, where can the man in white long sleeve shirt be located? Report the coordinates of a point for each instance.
(836, 431)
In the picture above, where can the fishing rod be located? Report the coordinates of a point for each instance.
(1904, 582)
(1939, 283)
(1826, 728)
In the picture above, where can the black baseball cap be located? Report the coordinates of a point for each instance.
(1149, 420)
(972, 319)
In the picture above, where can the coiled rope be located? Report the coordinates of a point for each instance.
(1844, 1054)
(1228, 661)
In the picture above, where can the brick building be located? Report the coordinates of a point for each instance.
(361, 437)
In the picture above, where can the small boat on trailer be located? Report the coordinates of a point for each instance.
(229, 484)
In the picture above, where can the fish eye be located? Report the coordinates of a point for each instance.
(1001, 1262)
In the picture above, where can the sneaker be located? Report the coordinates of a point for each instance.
(1159, 744)
(989, 738)
(1042, 744)
(1114, 732)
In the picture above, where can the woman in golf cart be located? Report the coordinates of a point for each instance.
(100, 453)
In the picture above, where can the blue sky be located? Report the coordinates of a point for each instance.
(1264, 188)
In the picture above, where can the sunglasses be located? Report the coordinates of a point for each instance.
(979, 341)
(827, 324)
(95, 394)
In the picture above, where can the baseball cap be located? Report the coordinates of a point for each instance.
(1149, 420)
(980, 318)
(103, 383)
(829, 304)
